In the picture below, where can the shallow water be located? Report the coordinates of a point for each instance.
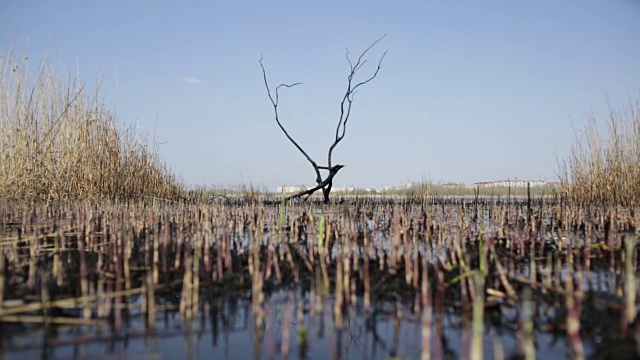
(229, 329)
(298, 319)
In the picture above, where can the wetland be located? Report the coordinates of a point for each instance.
(365, 278)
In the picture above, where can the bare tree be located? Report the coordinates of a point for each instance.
(345, 111)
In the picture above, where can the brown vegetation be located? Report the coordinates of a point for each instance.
(529, 269)
(57, 141)
(605, 169)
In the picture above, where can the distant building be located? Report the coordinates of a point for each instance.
(514, 183)
(292, 189)
(343, 189)
(300, 188)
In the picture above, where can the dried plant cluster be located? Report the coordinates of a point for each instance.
(606, 169)
(57, 141)
(523, 268)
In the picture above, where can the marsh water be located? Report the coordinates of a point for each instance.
(228, 330)
(352, 281)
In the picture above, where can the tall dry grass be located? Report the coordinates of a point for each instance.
(58, 141)
(605, 169)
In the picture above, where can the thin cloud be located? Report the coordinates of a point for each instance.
(191, 80)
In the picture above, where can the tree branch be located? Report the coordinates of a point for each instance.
(341, 128)
(347, 99)
(274, 103)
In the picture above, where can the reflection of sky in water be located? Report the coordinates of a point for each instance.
(230, 333)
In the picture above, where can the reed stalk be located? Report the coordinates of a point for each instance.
(528, 313)
(630, 279)
(477, 333)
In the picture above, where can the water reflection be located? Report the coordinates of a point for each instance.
(288, 326)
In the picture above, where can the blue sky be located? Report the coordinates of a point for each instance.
(469, 90)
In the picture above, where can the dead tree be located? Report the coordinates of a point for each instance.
(345, 111)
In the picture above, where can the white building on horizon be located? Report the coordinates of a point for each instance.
(512, 183)
(300, 188)
(291, 189)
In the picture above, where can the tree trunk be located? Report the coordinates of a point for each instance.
(326, 191)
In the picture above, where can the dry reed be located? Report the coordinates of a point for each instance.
(58, 141)
(605, 169)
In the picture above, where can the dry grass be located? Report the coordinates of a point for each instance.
(57, 141)
(606, 170)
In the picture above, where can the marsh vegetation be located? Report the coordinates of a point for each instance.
(604, 164)
(471, 278)
(104, 252)
(58, 141)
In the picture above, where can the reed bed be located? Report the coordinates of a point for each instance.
(528, 270)
(605, 168)
(58, 141)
